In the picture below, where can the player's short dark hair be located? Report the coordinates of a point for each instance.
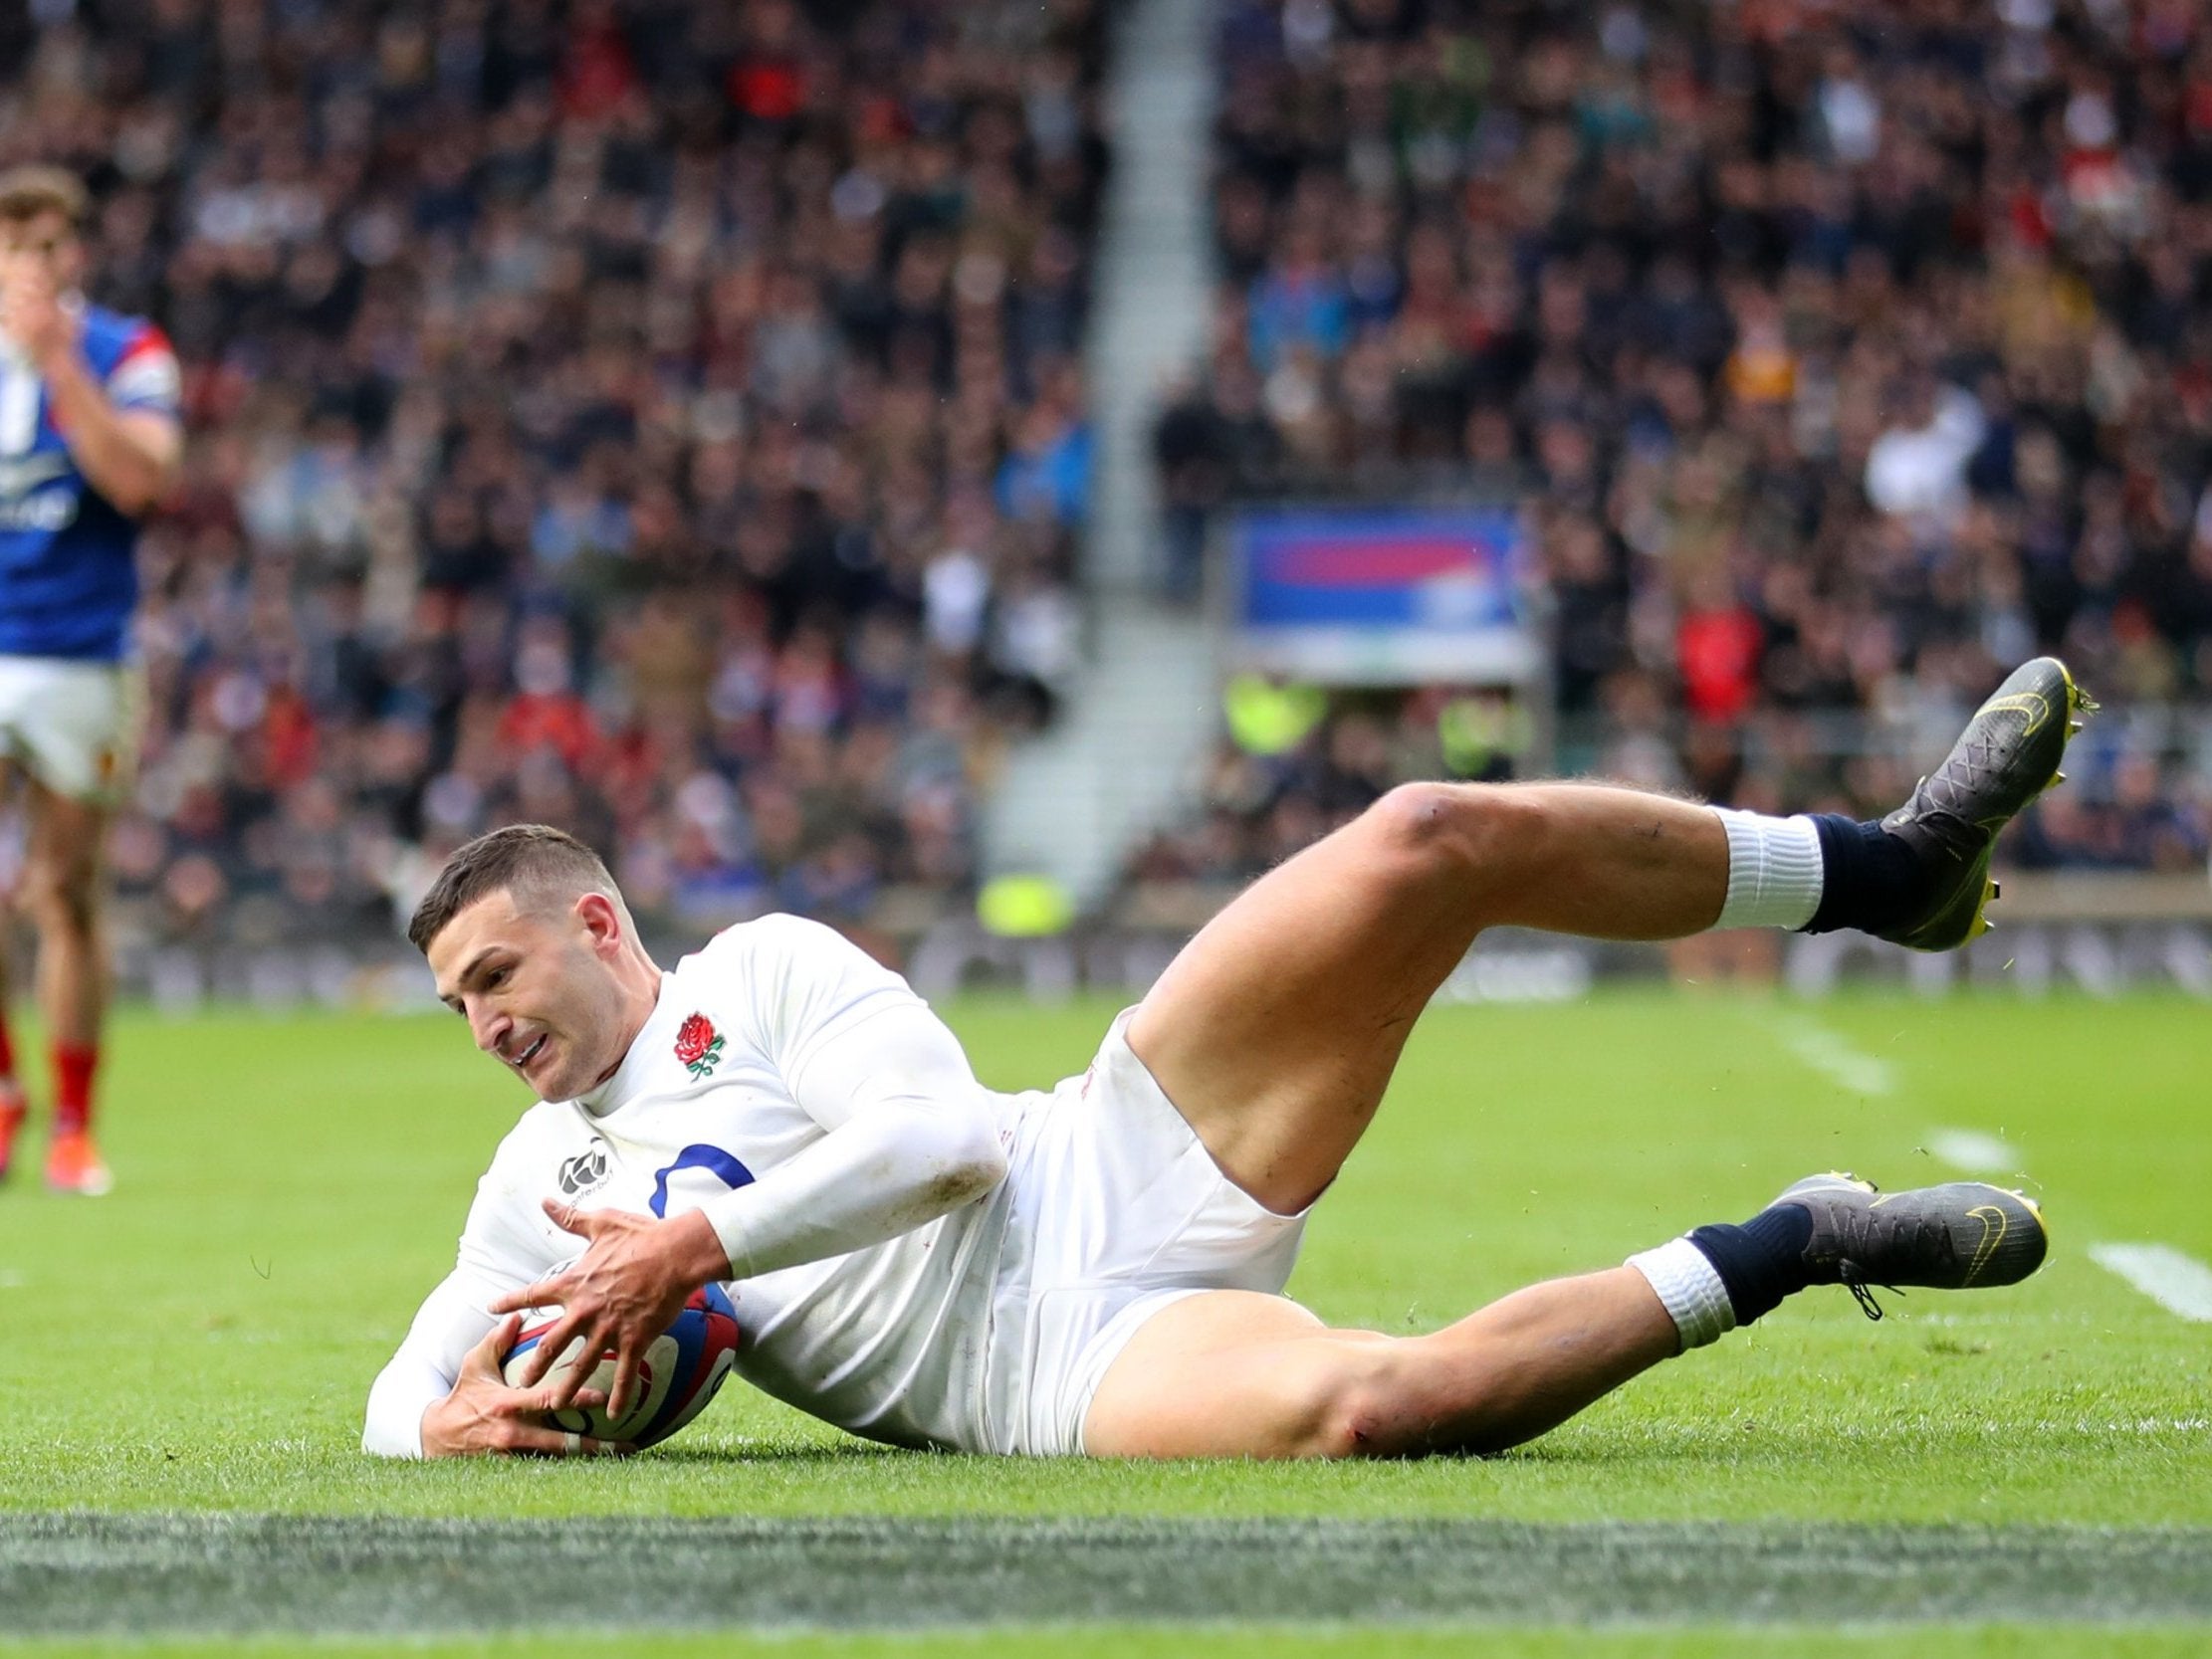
(534, 862)
(33, 189)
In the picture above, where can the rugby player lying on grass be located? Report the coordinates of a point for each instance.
(1098, 1268)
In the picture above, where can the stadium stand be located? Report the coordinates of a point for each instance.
(659, 419)
(667, 420)
(1837, 356)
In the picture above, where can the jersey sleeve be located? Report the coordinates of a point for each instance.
(911, 1135)
(500, 1251)
(803, 987)
(147, 376)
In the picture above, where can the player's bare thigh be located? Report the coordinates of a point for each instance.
(1276, 1029)
(1225, 1374)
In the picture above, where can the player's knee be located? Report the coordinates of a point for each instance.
(59, 894)
(1465, 825)
(1350, 1404)
(1419, 819)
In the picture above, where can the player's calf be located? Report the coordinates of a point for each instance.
(1505, 1374)
(1573, 858)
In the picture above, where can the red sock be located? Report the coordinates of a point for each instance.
(7, 1051)
(73, 1065)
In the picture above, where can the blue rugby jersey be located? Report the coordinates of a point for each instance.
(69, 577)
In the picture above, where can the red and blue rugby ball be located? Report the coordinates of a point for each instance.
(684, 1366)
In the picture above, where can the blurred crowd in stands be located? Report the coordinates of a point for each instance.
(661, 419)
(664, 418)
(1838, 355)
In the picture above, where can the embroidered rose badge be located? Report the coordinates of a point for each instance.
(699, 1046)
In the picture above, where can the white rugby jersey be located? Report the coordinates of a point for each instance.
(891, 1341)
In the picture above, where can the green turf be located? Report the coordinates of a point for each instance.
(1124, 1642)
(288, 1188)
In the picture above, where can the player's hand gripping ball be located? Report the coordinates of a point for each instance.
(684, 1366)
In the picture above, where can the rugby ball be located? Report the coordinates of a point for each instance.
(683, 1367)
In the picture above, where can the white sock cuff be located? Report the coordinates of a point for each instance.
(1689, 1288)
(1774, 870)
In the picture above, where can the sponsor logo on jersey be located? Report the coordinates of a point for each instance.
(585, 1170)
(52, 511)
(699, 1046)
(20, 477)
(26, 503)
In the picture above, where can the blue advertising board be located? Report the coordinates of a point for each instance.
(1384, 596)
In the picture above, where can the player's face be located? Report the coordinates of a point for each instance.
(538, 990)
(44, 244)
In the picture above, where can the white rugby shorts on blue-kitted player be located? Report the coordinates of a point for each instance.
(72, 725)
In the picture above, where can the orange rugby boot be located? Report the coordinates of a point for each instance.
(73, 1166)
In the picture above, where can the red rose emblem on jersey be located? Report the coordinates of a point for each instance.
(699, 1045)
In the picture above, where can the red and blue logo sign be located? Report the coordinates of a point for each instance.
(1444, 568)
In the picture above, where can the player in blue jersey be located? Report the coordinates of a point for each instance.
(90, 442)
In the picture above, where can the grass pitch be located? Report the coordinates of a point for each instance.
(194, 1351)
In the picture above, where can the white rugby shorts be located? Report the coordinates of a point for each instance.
(1118, 1210)
(72, 725)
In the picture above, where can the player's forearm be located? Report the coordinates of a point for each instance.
(132, 460)
(873, 1178)
(403, 1391)
(450, 1322)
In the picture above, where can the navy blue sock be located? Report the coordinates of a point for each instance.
(1761, 1261)
(1870, 879)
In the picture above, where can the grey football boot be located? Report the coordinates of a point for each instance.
(1962, 1235)
(2008, 755)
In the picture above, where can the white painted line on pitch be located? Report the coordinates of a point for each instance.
(2177, 1282)
(13, 1279)
(1834, 1058)
(1976, 1152)
(2173, 1279)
